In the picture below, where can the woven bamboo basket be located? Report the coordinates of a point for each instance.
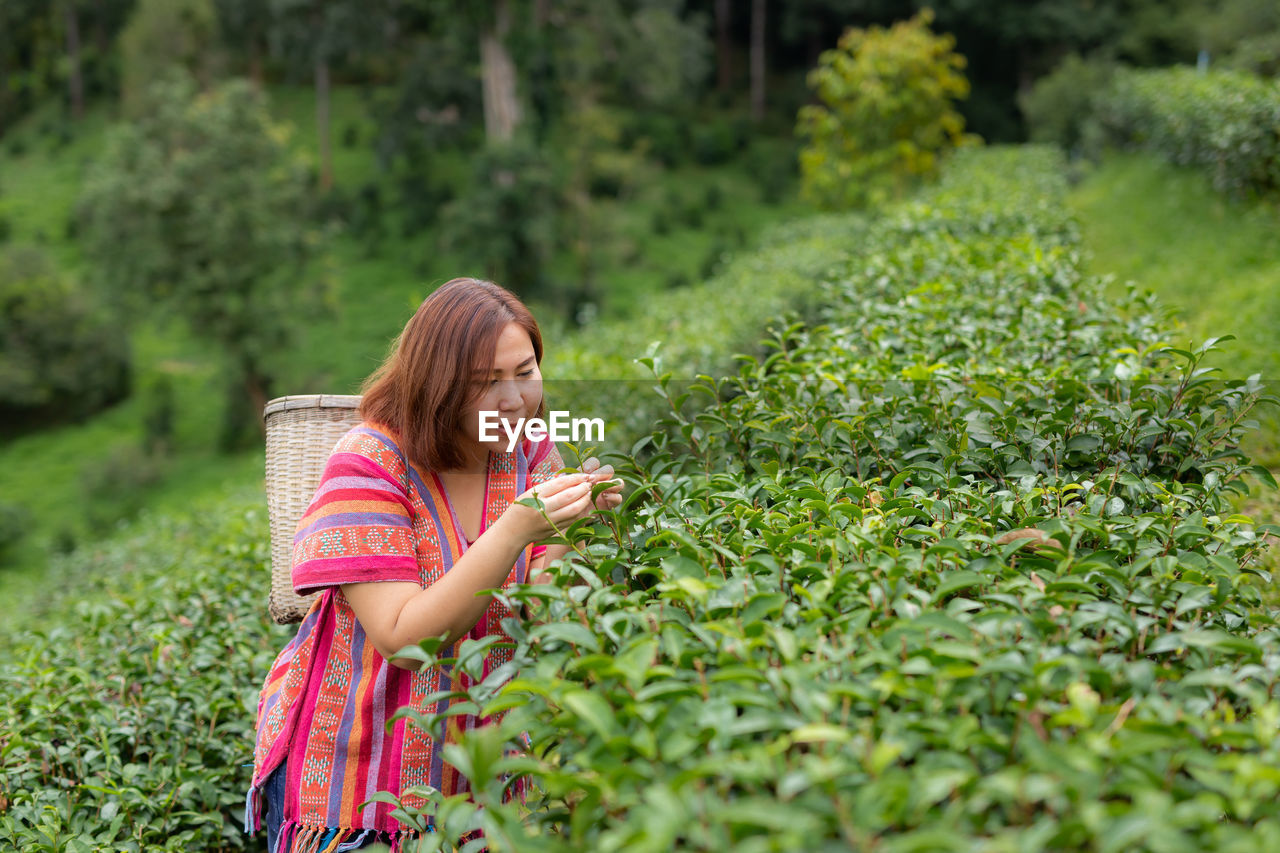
(301, 433)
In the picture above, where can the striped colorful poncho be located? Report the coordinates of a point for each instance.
(329, 694)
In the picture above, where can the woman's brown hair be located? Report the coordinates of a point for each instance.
(422, 389)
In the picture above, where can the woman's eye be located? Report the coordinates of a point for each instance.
(493, 382)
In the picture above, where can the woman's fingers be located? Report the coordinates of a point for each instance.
(591, 465)
(608, 500)
(568, 497)
(556, 485)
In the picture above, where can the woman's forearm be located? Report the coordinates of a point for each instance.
(452, 603)
(398, 615)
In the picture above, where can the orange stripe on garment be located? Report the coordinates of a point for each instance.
(274, 685)
(451, 535)
(387, 506)
(354, 768)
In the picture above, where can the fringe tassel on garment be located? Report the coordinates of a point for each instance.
(298, 838)
(400, 840)
(253, 810)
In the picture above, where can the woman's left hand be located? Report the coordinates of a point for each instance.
(611, 497)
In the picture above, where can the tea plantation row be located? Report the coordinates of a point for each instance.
(128, 718)
(953, 568)
(805, 630)
(1224, 122)
(130, 715)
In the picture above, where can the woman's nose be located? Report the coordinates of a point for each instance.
(509, 396)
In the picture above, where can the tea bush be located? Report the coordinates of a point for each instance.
(128, 714)
(696, 329)
(946, 563)
(1061, 107)
(128, 720)
(953, 568)
(1225, 122)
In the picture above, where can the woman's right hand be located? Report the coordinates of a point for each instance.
(565, 499)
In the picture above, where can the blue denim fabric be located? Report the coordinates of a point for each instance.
(273, 791)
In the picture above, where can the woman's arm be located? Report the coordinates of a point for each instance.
(397, 614)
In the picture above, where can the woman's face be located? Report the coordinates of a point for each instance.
(513, 390)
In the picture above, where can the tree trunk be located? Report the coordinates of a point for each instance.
(724, 66)
(74, 79)
(322, 121)
(101, 42)
(1026, 76)
(242, 424)
(256, 386)
(501, 109)
(255, 60)
(757, 60)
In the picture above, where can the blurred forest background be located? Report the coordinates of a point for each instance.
(207, 203)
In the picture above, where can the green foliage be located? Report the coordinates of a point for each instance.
(507, 220)
(1243, 35)
(59, 358)
(1061, 107)
(117, 486)
(1202, 254)
(640, 54)
(162, 35)
(716, 141)
(813, 625)
(886, 113)
(953, 567)
(128, 719)
(199, 208)
(700, 326)
(663, 137)
(1225, 122)
(34, 53)
(158, 415)
(15, 520)
(437, 105)
(378, 282)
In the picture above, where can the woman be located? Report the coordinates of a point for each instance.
(414, 515)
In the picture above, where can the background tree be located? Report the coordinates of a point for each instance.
(1243, 34)
(506, 223)
(886, 112)
(75, 78)
(244, 25)
(68, 45)
(60, 359)
(316, 34)
(161, 35)
(758, 30)
(498, 72)
(198, 209)
(433, 108)
(1061, 107)
(30, 49)
(724, 46)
